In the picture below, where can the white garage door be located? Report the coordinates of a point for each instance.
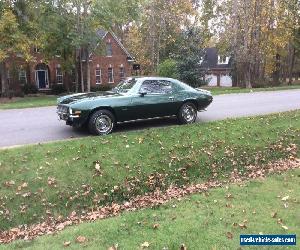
(212, 80)
(226, 81)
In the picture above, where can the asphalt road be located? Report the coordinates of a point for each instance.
(37, 125)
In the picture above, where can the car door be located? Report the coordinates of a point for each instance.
(156, 99)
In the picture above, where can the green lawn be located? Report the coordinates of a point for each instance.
(198, 221)
(28, 102)
(57, 178)
(235, 90)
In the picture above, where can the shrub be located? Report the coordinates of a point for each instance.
(58, 89)
(101, 88)
(29, 89)
(18, 93)
(168, 68)
(12, 93)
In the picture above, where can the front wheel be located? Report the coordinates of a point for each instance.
(187, 113)
(101, 122)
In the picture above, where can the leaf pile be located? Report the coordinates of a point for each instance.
(153, 199)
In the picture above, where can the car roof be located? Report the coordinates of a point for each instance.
(152, 78)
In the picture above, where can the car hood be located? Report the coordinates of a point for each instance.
(204, 91)
(86, 96)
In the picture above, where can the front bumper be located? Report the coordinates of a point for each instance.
(65, 113)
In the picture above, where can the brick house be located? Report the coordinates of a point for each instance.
(110, 62)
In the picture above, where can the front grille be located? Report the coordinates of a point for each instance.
(62, 109)
(63, 112)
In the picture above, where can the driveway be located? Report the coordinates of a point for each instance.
(37, 125)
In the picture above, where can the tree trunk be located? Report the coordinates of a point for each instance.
(248, 76)
(81, 72)
(291, 65)
(3, 74)
(76, 76)
(67, 81)
(88, 73)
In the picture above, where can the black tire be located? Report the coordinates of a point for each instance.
(101, 122)
(187, 114)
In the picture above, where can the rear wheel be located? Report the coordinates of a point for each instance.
(187, 113)
(102, 122)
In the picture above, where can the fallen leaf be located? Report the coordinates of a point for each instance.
(229, 196)
(114, 247)
(229, 235)
(243, 226)
(284, 227)
(51, 181)
(67, 243)
(9, 183)
(183, 247)
(23, 185)
(145, 244)
(285, 198)
(273, 215)
(97, 167)
(155, 226)
(80, 239)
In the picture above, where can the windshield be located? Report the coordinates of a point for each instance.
(125, 86)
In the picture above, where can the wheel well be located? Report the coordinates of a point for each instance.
(192, 101)
(101, 108)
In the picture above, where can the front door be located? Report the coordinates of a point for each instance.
(158, 101)
(41, 78)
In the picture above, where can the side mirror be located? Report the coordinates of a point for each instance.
(142, 93)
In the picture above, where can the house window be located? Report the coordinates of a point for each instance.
(223, 59)
(122, 73)
(98, 75)
(110, 75)
(22, 76)
(109, 51)
(59, 75)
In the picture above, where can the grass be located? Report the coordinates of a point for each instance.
(42, 101)
(235, 90)
(200, 221)
(58, 178)
(28, 102)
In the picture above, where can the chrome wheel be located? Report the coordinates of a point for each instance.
(187, 113)
(104, 124)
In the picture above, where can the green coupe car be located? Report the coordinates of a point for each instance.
(133, 99)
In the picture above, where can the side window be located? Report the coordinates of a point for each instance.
(166, 87)
(156, 87)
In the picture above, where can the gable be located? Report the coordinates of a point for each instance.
(213, 59)
(107, 36)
